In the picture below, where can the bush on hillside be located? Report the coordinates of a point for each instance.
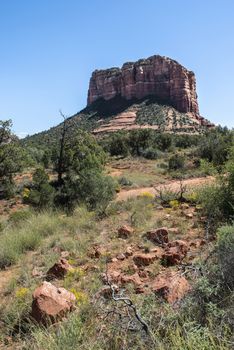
(225, 249)
(12, 158)
(176, 162)
(41, 194)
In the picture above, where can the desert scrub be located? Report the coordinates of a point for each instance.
(147, 196)
(81, 297)
(174, 204)
(82, 220)
(20, 216)
(28, 234)
(191, 197)
(15, 241)
(15, 315)
(142, 211)
(77, 332)
(72, 276)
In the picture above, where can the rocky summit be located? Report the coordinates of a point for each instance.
(159, 76)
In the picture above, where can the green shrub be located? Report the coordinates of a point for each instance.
(225, 250)
(42, 193)
(151, 153)
(96, 190)
(207, 167)
(176, 162)
(123, 181)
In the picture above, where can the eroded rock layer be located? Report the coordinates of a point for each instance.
(159, 76)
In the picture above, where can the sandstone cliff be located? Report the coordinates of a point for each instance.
(159, 76)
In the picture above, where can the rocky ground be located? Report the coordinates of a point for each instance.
(142, 246)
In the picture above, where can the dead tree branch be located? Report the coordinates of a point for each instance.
(128, 302)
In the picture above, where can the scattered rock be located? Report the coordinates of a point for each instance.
(175, 252)
(129, 252)
(185, 206)
(51, 304)
(158, 236)
(36, 273)
(134, 279)
(181, 245)
(95, 252)
(125, 231)
(59, 269)
(197, 243)
(120, 256)
(171, 286)
(143, 273)
(146, 259)
(159, 207)
(172, 256)
(174, 230)
(65, 254)
(113, 276)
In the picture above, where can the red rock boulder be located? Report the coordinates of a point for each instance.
(158, 236)
(145, 259)
(59, 269)
(125, 231)
(50, 304)
(182, 246)
(175, 252)
(171, 286)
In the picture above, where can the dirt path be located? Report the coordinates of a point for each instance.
(173, 185)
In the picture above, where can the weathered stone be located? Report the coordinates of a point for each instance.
(129, 251)
(59, 269)
(172, 256)
(189, 215)
(134, 279)
(158, 236)
(175, 252)
(50, 304)
(120, 256)
(171, 286)
(95, 252)
(145, 259)
(36, 272)
(125, 231)
(173, 230)
(197, 243)
(181, 245)
(65, 254)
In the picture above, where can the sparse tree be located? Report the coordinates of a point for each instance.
(12, 157)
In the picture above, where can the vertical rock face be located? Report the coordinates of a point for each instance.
(159, 76)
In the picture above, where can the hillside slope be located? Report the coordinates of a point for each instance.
(102, 117)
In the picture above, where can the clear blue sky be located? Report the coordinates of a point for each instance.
(50, 47)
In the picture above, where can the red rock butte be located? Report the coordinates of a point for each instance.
(157, 76)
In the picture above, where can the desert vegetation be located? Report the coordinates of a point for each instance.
(150, 271)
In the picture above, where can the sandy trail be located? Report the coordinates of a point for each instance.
(173, 185)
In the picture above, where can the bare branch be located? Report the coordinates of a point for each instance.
(128, 302)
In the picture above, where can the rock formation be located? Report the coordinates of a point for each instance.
(162, 77)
